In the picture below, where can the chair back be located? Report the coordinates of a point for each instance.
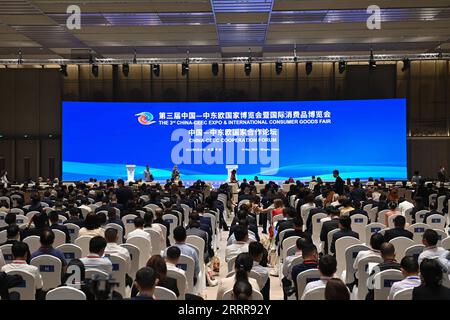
(440, 203)
(119, 271)
(96, 274)
(162, 293)
(287, 243)
(73, 231)
(350, 255)
(420, 215)
(181, 282)
(65, 293)
(83, 243)
(187, 264)
(7, 253)
(362, 274)
(3, 236)
(441, 236)
(436, 221)
(230, 264)
(446, 243)
(367, 207)
(372, 213)
(315, 294)
(418, 229)
(26, 288)
(304, 278)
(380, 215)
(173, 220)
(383, 282)
(2, 219)
(408, 216)
(145, 249)
(134, 258)
(128, 222)
(155, 241)
(282, 233)
(33, 243)
(405, 294)
(330, 237)
(22, 220)
(414, 251)
(317, 226)
(359, 223)
(60, 237)
(401, 244)
(164, 231)
(30, 215)
(186, 211)
(341, 245)
(70, 251)
(50, 269)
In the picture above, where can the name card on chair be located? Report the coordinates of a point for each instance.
(8, 257)
(2, 217)
(19, 221)
(21, 284)
(436, 220)
(388, 282)
(130, 220)
(375, 229)
(318, 220)
(182, 266)
(115, 267)
(419, 229)
(169, 220)
(69, 255)
(71, 230)
(46, 268)
(359, 220)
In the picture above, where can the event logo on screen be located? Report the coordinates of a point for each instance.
(145, 118)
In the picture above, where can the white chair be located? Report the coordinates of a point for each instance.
(30, 215)
(50, 269)
(359, 223)
(26, 289)
(96, 274)
(187, 264)
(21, 220)
(173, 220)
(2, 219)
(119, 231)
(282, 233)
(391, 220)
(17, 211)
(243, 202)
(73, 231)
(164, 231)
(405, 294)
(128, 222)
(440, 203)
(400, 245)
(65, 293)
(317, 226)
(145, 249)
(367, 207)
(7, 254)
(162, 293)
(383, 282)
(420, 215)
(70, 251)
(214, 228)
(350, 255)
(84, 212)
(441, 236)
(414, 251)
(3, 236)
(152, 207)
(83, 243)
(61, 219)
(6, 199)
(446, 243)
(341, 245)
(134, 258)
(186, 211)
(155, 241)
(119, 271)
(381, 215)
(60, 237)
(199, 243)
(408, 216)
(363, 275)
(291, 251)
(304, 278)
(436, 221)
(418, 229)
(256, 295)
(330, 238)
(432, 197)
(230, 264)
(33, 243)
(181, 282)
(315, 294)
(372, 213)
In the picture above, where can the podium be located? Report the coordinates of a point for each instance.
(130, 172)
(231, 168)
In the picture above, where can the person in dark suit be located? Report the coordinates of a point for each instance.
(310, 261)
(357, 194)
(358, 210)
(289, 213)
(298, 227)
(74, 218)
(419, 205)
(433, 210)
(194, 229)
(339, 183)
(159, 214)
(158, 264)
(345, 226)
(398, 230)
(123, 194)
(40, 221)
(145, 283)
(327, 226)
(105, 205)
(431, 287)
(54, 225)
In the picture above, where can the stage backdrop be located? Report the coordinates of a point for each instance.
(272, 140)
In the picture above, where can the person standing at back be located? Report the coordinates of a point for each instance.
(123, 194)
(339, 183)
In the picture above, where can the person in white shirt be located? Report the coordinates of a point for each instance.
(173, 254)
(376, 240)
(240, 245)
(431, 251)
(95, 258)
(287, 263)
(327, 268)
(139, 231)
(112, 248)
(404, 205)
(410, 270)
(20, 255)
(84, 205)
(256, 251)
(149, 225)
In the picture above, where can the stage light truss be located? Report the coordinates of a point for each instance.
(233, 60)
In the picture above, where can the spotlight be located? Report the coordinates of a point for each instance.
(248, 68)
(95, 70)
(406, 64)
(185, 68)
(215, 68)
(63, 70)
(278, 67)
(156, 70)
(309, 67)
(342, 66)
(372, 62)
(125, 69)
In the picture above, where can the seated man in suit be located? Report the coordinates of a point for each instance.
(47, 238)
(179, 235)
(398, 230)
(193, 229)
(289, 214)
(53, 217)
(74, 218)
(433, 210)
(327, 226)
(310, 261)
(345, 226)
(431, 287)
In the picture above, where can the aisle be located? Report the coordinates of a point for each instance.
(276, 292)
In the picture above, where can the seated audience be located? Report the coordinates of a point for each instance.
(95, 259)
(145, 282)
(112, 248)
(327, 268)
(241, 244)
(376, 240)
(179, 235)
(53, 217)
(329, 225)
(398, 230)
(431, 287)
(410, 270)
(74, 217)
(139, 230)
(393, 211)
(345, 230)
(92, 227)
(47, 238)
(430, 239)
